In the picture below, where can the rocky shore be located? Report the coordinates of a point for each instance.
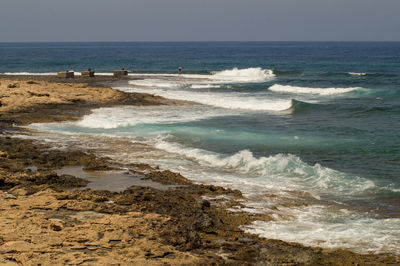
(49, 218)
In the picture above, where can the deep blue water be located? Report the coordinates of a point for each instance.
(316, 58)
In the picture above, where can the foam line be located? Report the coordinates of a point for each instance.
(115, 117)
(307, 90)
(221, 100)
(286, 168)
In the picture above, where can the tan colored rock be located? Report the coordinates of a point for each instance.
(30, 237)
(16, 246)
(66, 74)
(19, 191)
(121, 72)
(56, 224)
(88, 73)
(6, 262)
(30, 95)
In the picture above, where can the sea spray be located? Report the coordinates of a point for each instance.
(284, 170)
(236, 75)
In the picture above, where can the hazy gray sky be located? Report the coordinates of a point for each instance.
(199, 20)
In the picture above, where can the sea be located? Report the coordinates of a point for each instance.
(309, 132)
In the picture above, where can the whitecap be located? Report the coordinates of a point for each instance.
(204, 86)
(357, 74)
(283, 170)
(222, 100)
(308, 90)
(115, 117)
(255, 74)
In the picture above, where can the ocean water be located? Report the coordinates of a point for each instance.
(308, 131)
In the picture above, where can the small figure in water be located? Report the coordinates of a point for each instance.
(180, 70)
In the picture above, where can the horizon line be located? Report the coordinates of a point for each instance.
(254, 41)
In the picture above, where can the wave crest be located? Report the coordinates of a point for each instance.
(307, 90)
(281, 168)
(299, 106)
(118, 117)
(255, 74)
(219, 100)
(357, 74)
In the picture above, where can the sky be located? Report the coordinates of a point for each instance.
(199, 20)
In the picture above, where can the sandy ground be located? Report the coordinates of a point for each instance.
(51, 219)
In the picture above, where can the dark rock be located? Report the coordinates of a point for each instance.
(13, 85)
(167, 177)
(205, 205)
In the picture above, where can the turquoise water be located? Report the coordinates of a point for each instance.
(309, 122)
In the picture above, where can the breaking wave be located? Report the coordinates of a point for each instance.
(235, 75)
(256, 74)
(204, 86)
(115, 117)
(299, 106)
(282, 170)
(307, 90)
(357, 74)
(221, 100)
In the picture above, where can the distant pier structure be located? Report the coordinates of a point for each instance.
(121, 72)
(87, 73)
(66, 74)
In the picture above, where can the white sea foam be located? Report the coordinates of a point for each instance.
(306, 90)
(323, 227)
(204, 86)
(157, 83)
(104, 74)
(283, 170)
(255, 74)
(222, 100)
(357, 74)
(115, 117)
(175, 83)
(163, 75)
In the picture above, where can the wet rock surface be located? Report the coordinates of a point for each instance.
(52, 219)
